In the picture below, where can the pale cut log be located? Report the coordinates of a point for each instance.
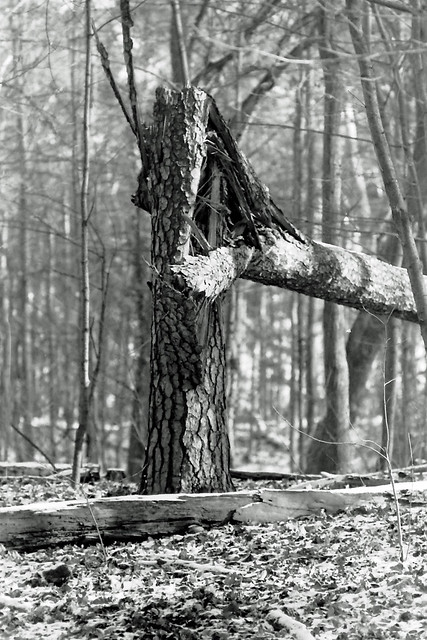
(241, 474)
(12, 469)
(278, 506)
(136, 517)
(119, 518)
(316, 269)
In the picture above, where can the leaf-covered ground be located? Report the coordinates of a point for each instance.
(338, 575)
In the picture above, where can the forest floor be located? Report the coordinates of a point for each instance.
(340, 576)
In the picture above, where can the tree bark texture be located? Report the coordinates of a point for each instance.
(188, 448)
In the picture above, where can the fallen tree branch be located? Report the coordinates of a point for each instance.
(316, 269)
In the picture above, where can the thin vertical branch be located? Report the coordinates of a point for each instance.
(84, 261)
(105, 61)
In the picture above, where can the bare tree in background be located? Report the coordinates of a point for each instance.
(84, 262)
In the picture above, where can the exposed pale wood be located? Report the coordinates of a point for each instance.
(216, 275)
(278, 506)
(135, 517)
(320, 270)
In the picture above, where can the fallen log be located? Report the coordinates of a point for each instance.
(43, 470)
(119, 518)
(276, 506)
(136, 517)
(239, 474)
(13, 469)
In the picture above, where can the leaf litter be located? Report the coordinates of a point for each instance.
(324, 577)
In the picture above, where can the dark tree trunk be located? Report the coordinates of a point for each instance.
(188, 448)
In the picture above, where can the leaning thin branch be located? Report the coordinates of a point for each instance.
(392, 4)
(107, 70)
(33, 444)
(127, 23)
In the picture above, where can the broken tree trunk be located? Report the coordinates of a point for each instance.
(213, 221)
(272, 251)
(320, 270)
(135, 517)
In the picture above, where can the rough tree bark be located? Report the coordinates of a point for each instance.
(188, 448)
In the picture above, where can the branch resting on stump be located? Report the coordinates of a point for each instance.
(277, 253)
(320, 270)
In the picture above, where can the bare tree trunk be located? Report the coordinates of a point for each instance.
(310, 208)
(234, 338)
(334, 427)
(68, 334)
(180, 68)
(389, 404)
(5, 349)
(296, 440)
(301, 302)
(410, 400)
(52, 351)
(419, 84)
(385, 161)
(84, 262)
(24, 339)
(138, 430)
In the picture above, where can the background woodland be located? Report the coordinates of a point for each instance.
(285, 76)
